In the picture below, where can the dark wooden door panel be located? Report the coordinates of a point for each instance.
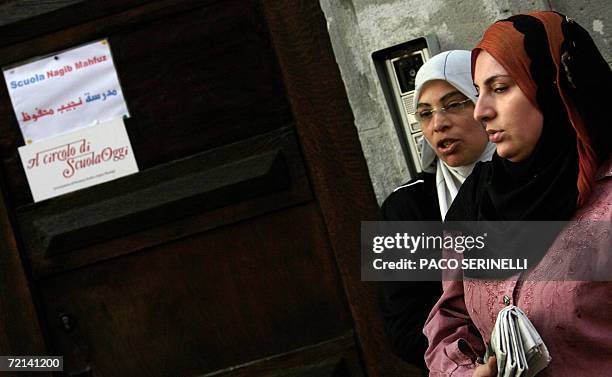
(337, 357)
(20, 332)
(234, 251)
(333, 154)
(206, 190)
(202, 303)
(195, 74)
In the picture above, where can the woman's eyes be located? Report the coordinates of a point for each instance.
(425, 113)
(454, 105)
(496, 89)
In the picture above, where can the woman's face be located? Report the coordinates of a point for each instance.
(454, 135)
(510, 119)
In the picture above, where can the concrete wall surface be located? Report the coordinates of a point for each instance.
(595, 16)
(358, 28)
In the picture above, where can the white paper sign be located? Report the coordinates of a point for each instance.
(77, 160)
(60, 93)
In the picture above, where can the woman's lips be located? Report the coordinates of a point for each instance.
(447, 146)
(495, 136)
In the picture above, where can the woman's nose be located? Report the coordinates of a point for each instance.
(440, 121)
(483, 110)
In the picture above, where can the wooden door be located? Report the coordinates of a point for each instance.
(235, 250)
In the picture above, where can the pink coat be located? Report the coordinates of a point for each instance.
(574, 318)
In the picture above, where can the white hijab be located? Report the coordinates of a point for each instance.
(454, 67)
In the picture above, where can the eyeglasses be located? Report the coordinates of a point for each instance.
(424, 116)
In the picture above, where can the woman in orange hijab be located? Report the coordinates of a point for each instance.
(542, 98)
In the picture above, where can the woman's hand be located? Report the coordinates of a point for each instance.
(487, 370)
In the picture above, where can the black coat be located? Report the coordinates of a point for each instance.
(406, 305)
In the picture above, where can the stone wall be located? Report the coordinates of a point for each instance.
(358, 28)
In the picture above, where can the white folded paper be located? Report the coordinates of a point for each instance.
(519, 349)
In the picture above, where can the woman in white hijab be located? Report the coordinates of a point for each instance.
(454, 143)
(448, 73)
